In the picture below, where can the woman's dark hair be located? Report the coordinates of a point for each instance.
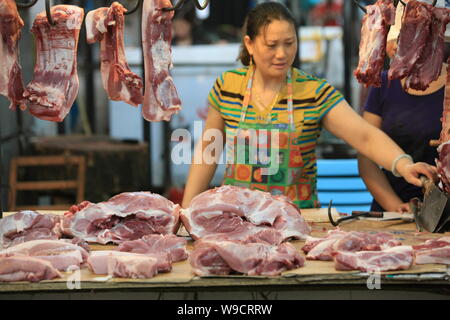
(259, 17)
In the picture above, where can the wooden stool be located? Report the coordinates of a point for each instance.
(77, 183)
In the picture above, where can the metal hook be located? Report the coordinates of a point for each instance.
(138, 4)
(47, 11)
(175, 7)
(434, 3)
(330, 216)
(199, 6)
(360, 6)
(26, 5)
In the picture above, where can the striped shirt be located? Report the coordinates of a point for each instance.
(312, 98)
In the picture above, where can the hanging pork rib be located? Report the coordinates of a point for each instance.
(106, 25)
(126, 216)
(236, 213)
(161, 99)
(428, 68)
(11, 84)
(372, 47)
(412, 39)
(54, 87)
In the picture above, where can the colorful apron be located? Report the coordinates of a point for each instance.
(267, 156)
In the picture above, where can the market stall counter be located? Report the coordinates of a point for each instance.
(315, 280)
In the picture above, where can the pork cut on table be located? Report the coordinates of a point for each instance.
(11, 83)
(23, 268)
(161, 99)
(338, 241)
(428, 67)
(238, 213)
(63, 255)
(157, 243)
(128, 265)
(126, 216)
(106, 25)
(54, 87)
(28, 225)
(372, 48)
(433, 251)
(258, 258)
(394, 258)
(413, 37)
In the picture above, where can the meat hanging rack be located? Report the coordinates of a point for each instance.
(48, 4)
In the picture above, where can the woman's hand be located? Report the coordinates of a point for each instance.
(404, 207)
(411, 172)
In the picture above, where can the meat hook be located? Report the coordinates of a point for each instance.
(26, 5)
(138, 4)
(360, 6)
(47, 11)
(180, 3)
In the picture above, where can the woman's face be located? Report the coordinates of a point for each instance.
(274, 48)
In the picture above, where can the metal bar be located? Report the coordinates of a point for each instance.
(360, 6)
(348, 45)
(199, 6)
(47, 11)
(89, 69)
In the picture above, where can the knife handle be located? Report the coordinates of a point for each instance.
(374, 214)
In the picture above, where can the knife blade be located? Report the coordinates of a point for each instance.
(385, 215)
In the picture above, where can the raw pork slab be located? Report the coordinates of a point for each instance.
(238, 213)
(106, 25)
(395, 258)
(23, 268)
(11, 83)
(433, 251)
(372, 47)
(28, 225)
(160, 98)
(54, 87)
(157, 243)
(258, 258)
(126, 216)
(63, 255)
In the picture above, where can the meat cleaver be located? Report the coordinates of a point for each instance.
(434, 212)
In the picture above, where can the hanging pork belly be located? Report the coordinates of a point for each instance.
(54, 87)
(11, 84)
(372, 48)
(106, 25)
(161, 98)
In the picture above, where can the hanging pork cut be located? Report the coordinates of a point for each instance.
(28, 225)
(414, 35)
(126, 216)
(11, 84)
(211, 257)
(237, 213)
(106, 25)
(372, 48)
(54, 87)
(160, 98)
(24, 268)
(428, 67)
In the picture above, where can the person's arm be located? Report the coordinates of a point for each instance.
(203, 167)
(345, 123)
(374, 178)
